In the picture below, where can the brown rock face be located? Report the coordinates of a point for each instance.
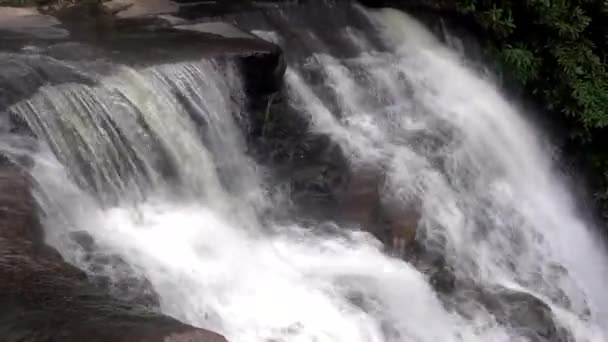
(402, 221)
(44, 299)
(361, 196)
(391, 221)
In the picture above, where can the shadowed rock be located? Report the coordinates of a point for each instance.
(526, 315)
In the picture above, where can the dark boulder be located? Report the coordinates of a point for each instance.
(525, 314)
(443, 279)
(263, 71)
(310, 165)
(323, 183)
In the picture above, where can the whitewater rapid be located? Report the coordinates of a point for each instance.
(124, 161)
(482, 167)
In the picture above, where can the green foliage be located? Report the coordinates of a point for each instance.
(521, 62)
(498, 20)
(558, 50)
(550, 47)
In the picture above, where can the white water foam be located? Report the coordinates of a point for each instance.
(214, 267)
(486, 186)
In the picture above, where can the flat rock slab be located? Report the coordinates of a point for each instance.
(140, 8)
(140, 41)
(29, 21)
(221, 29)
(7, 13)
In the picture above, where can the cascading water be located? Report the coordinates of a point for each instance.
(444, 135)
(151, 163)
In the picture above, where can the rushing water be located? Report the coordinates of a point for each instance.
(152, 164)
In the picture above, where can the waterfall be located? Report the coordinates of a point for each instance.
(444, 134)
(152, 164)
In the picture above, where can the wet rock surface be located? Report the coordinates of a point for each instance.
(526, 314)
(138, 8)
(45, 299)
(322, 182)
